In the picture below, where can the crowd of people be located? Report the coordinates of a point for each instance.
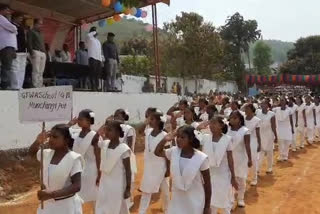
(209, 147)
(22, 45)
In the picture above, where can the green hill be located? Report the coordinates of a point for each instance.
(279, 50)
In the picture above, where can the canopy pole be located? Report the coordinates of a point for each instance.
(156, 46)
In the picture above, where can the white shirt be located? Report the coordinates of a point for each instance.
(66, 57)
(8, 33)
(94, 47)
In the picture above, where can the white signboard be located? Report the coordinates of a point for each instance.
(45, 104)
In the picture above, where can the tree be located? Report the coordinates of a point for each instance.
(191, 48)
(304, 58)
(239, 34)
(136, 46)
(262, 58)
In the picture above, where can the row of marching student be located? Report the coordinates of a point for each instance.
(207, 150)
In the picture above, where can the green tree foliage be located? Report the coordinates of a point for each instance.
(279, 50)
(304, 58)
(136, 46)
(239, 34)
(191, 47)
(135, 65)
(262, 58)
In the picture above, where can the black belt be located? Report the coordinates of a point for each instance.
(59, 199)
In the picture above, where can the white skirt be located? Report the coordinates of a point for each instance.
(221, 188)
(71, 205)
(89, 189)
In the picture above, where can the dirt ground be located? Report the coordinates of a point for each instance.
(294, 188)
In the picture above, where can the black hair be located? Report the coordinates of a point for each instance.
(123, 113)
(214, 109)
(222, 123)
(151, 110)
(239, 115)
(64, 130)
(292, 99)
(115, 124)
(93, 29)
(158, 116)
(82, 43)
(194, 115)
(16, 15)
(251, 106)
(36, 21)
(110, 34)
(189, 131)
(203, 100)
(236, 103)
(4, 7)
(226, 99)
(86, 114)
(184, 102)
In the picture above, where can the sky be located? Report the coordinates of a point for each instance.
(286, 20)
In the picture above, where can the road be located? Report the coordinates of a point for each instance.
(294, 188)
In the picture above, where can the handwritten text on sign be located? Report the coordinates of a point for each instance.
(45, 104)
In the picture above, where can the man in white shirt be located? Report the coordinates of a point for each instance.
(95, 58)
(8, 45)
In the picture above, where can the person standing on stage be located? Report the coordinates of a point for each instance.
(95, 58)
(20, 62)
(37, 52)
(8, 46)
(112, 61)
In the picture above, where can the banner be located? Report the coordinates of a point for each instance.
(45, 104)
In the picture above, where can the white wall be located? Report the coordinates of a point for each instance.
(14, 135)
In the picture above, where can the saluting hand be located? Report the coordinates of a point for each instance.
(42, 137)
(73, 122)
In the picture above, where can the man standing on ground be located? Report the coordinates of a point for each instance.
(95, 58)
(111, 56)
(19, 64)
(8, 46)
(37, 52)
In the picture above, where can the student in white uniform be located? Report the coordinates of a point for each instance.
(176, 112)
(285, 128)
(292, 105)
(129, 139)
(189, 118)
(301, 123)
(62, 170)
(311, 120)
(115, 181)
(202, 115)
(253, 124)
(241, 152)
(317, 108)
(218, 147)
(268, 134)
(191, 185)
(155, 167)
(225, 108)
(82, 145)
(211, 111)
